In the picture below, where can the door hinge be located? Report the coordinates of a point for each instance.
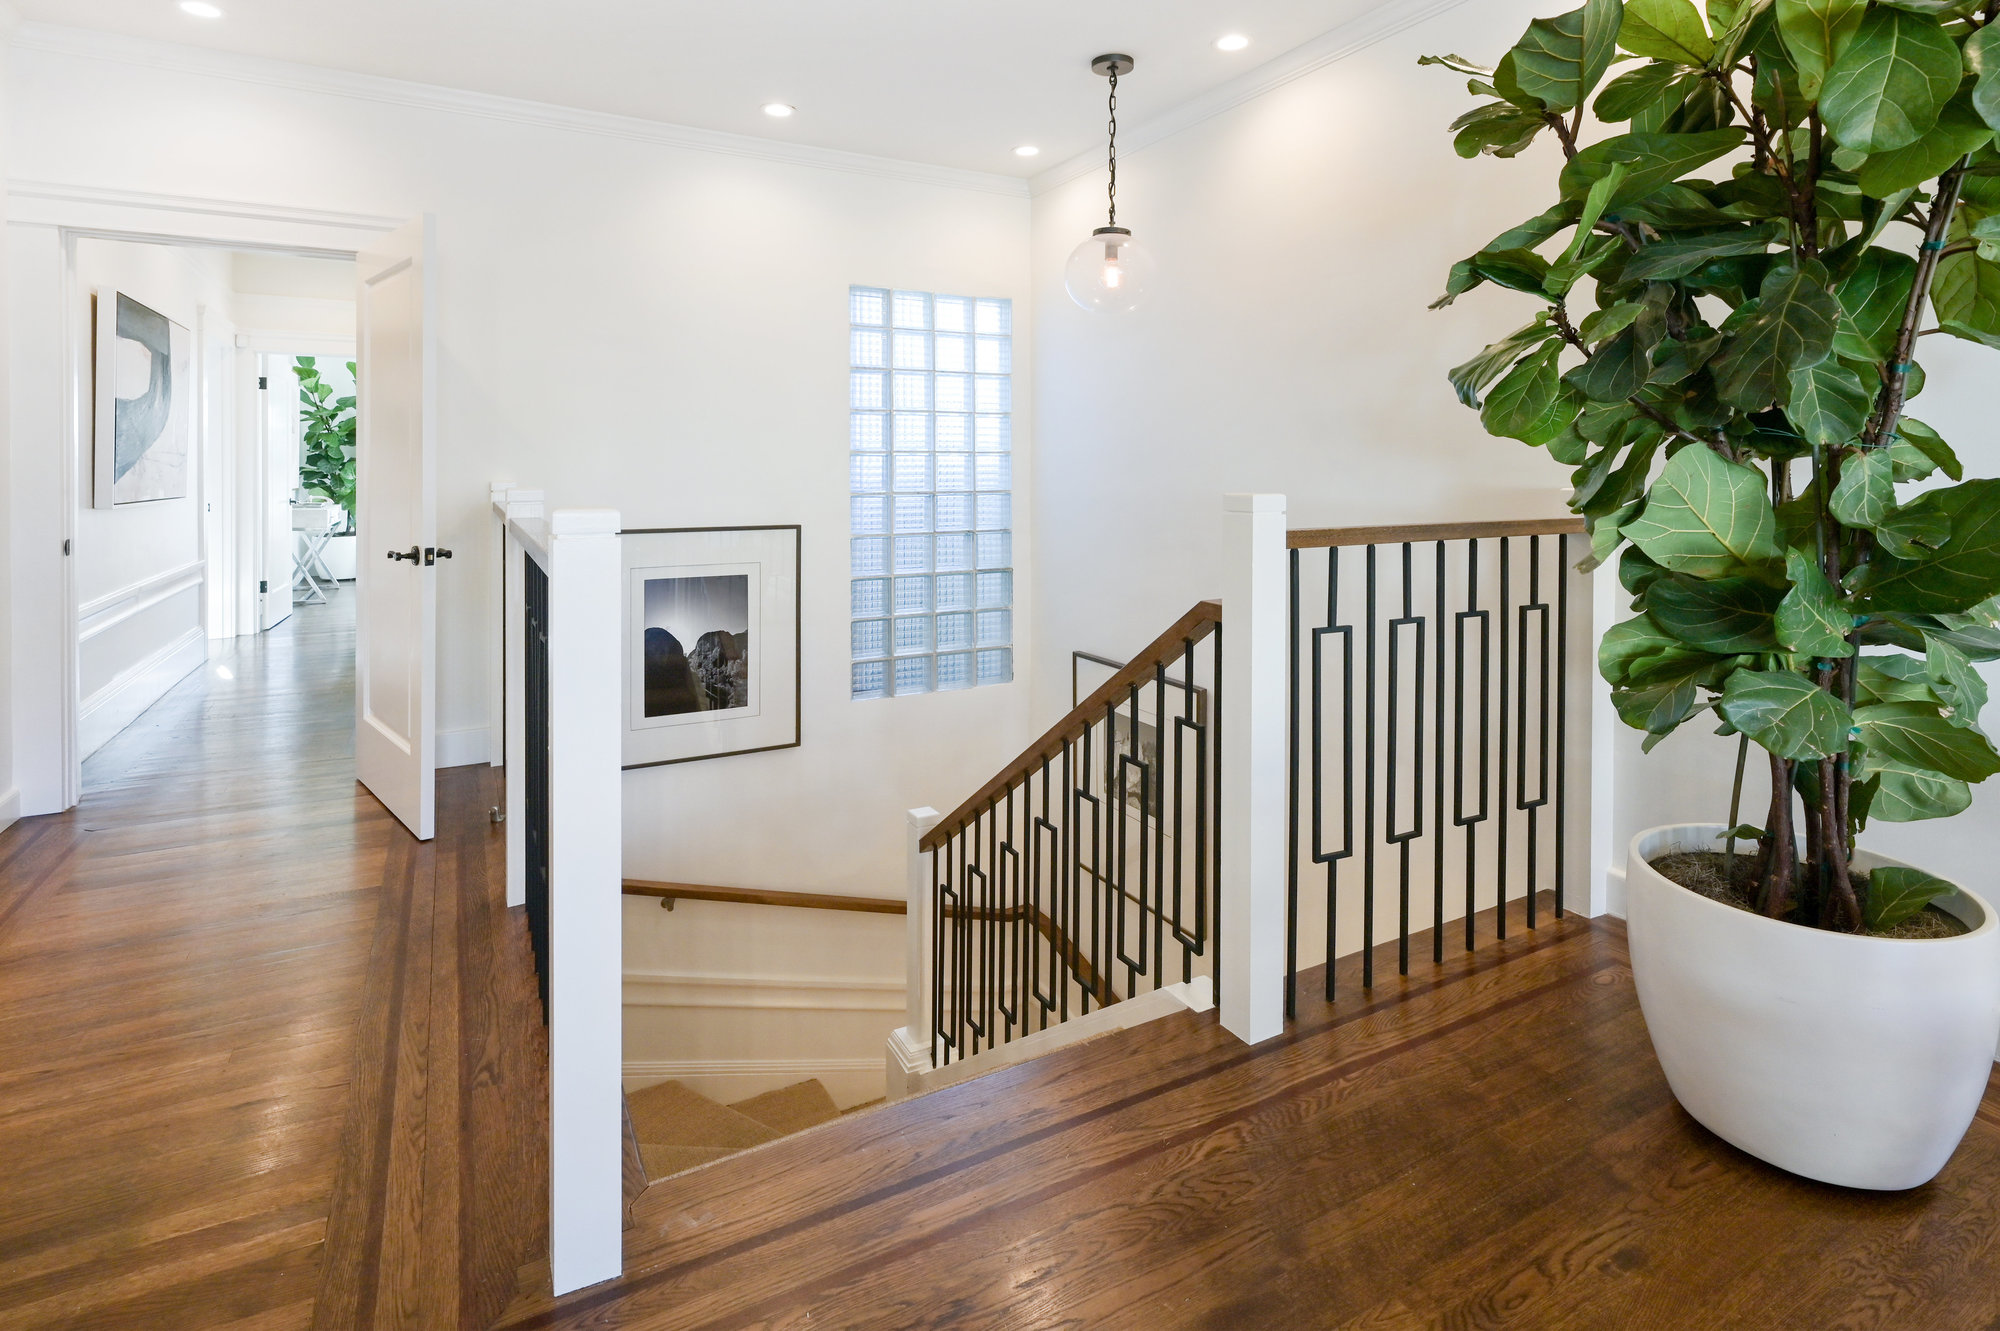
(65, 545)
(263, 587)
(263, 382)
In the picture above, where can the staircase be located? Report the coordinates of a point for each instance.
(677, 1129)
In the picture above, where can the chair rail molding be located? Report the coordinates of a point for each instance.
(113, 608)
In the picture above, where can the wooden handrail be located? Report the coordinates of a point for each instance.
(759, 896)
(1320, 538)
(1164, 650)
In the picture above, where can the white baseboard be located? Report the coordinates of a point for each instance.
(1614, 892)
(794, 993)
(464, 748)
(850, 1081)
(10, 807)
(137, 687)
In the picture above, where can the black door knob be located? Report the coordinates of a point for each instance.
(412, 554)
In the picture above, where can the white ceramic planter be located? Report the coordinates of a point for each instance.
(1852, 1060)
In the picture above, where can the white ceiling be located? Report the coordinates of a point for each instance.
(956, 83)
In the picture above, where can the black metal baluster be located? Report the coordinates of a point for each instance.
(1402, 840)
(1500, 805)
(1562, 705)
(1368, 797)
(1437, 803)
(1332, 859)
(1471, 823)
(1212, 815)
(1540, 610)
(1292, 807)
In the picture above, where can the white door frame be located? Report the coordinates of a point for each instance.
(43, 226)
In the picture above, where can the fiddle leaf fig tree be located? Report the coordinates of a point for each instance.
(1764, 207)
(328, 425)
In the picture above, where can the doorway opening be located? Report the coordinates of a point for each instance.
(214, 499)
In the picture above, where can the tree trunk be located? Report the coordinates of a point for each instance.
(1840, 910)
(1781, 858)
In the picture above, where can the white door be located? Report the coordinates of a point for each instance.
(395, 497)
(280, 476)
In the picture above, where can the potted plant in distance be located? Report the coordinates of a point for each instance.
(1779, 199)
(326, 468)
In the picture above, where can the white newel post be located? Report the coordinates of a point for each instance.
(910, 1053)
(586, 1110)
(520, 509)
(1254, 791)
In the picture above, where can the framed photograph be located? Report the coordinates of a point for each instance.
(711, 643)
(1089, 672)
(144, 403)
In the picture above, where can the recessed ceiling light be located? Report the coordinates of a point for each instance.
(1027, 150)
(1235, 41)
(200, 9)
(778, 110)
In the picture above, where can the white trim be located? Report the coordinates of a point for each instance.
(134, 215)
(1351, 38)
(10, 807)
(94, 617)
(30, 192)
(799, 1069)
(84, 44)
(277, 342)
(785, 993)
(1614, 893)
(472, 746)
(136, 688)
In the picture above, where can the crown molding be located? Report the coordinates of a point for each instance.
(55, 192)
(1351, 38)
(170, 57)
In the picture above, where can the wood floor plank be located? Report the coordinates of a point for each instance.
(215, 974)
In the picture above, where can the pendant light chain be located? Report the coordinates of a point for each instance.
(1114, 145)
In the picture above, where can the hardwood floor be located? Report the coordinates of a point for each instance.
(265, 1060)
(1487, 1145)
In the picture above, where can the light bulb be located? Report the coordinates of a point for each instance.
(1108, 272)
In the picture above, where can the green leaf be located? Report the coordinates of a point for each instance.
(1967, 297)
(1955, 680)
(1815, 32)
(1523, 237)
(1666, 30)
(1912, 533)
(1518, 270)
(1887, 88)
(1498, 129)
(1636, 90)
(1530, 404)
(1458, 63)
(1600, 324)
(1960, 130)
(1961, 575)
(1893, 679)
(1811, 620)
(1830, 403)
(1652, 160)
(1982, 57)
(1786, 714)
(1672, 259)
(1925, 440)
(1707, 517)
(1896, 893)
(1873, 298)
(1790, 324)
(1616, 371)
(1918, 735)
(1907, 794)
(1471, 378)
(1728, 616)
(1867, 490)
(1560, 60)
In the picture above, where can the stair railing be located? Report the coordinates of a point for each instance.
(1084, 873)
(562, 648)
(1431, 697)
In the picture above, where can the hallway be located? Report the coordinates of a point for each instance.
(233, 992)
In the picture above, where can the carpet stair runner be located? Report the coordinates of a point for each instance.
(679, 1129)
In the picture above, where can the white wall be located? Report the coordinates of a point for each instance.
(137, 635)
(625, 318)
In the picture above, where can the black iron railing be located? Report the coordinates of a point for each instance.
(1087, 870)
(535, 833)
(1429, 672)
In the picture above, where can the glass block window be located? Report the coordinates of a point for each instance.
(931, 475)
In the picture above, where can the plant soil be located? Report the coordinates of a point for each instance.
(1701, 871)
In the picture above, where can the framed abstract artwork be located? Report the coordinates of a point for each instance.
(144, 403)
(712, 620)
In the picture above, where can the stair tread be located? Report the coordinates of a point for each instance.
(790, 1109)
(670, 1114)
(665, 1161)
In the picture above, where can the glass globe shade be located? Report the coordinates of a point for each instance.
(1109, 272)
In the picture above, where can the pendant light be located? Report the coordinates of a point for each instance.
(1110, 272)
